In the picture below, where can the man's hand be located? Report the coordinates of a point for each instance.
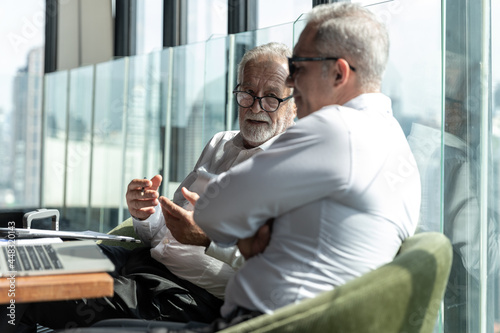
(257, 243)
(142, 197)
(180, 222)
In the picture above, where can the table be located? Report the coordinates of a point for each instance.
(56, 287)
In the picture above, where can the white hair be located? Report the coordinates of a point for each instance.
(273, 50)
(355, 34)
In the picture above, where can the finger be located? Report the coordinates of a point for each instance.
(138, 184)
(156, 182)
(171, 207)
(192, 197)
(145, 211)
(134, 192)
(142, 213)
(143, 205)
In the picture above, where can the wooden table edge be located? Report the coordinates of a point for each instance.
(55, 287)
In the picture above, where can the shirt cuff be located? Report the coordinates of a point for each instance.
(229, 255)
(148, 226)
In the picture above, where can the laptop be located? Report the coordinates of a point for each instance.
(37, 257)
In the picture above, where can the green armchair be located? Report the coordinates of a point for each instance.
(126, 228)
(402, 296)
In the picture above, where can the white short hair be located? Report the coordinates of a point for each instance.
(351, 32)
(273, 50)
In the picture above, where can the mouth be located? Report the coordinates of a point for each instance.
(257, 122)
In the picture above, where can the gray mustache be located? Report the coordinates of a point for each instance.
(258, 117)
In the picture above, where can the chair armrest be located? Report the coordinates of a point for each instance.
(126, 228)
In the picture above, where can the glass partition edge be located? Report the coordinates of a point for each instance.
(485, 112)
(124, 138)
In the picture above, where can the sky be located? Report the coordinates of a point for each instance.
(22, 28)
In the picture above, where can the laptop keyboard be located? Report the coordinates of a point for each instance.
(34, 257)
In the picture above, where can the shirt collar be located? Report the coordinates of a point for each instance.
(373, 101)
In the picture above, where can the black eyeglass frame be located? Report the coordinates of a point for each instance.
(280, 100)
(292, 68)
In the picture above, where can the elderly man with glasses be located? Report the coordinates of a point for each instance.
(265, 111)
(181, 276)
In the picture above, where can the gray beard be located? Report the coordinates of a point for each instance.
(257, 134)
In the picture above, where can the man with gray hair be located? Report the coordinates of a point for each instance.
(341, 185)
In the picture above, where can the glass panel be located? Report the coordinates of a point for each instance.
(186, 140)
(143, 157)
(467, 221)
(54, 151)
(281, 33)
(413, 81)
(78, 150)
(166, 97)
(107, 159)
(152, 152)
(216, 90)
(298, 26)
(495, 141)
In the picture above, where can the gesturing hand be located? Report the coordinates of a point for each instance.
(180, 221)
(141, 204)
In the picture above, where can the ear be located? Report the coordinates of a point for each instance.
(340, 72)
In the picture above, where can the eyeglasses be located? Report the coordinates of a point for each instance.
(267, 103)
(292, 68)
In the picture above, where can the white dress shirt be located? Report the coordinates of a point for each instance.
(212, 269)
(344, 190)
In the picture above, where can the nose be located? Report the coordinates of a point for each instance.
(255, 108)
(290, 82)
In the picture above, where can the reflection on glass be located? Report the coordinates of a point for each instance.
(107, 161)
(54, 159)
(495, 138)
(187, 109)
(460, 154)
(215, 101)
(78, 147)
(143, 123)
(410, 75)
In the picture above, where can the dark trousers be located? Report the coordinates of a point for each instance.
(134, 326)
(143, 289)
